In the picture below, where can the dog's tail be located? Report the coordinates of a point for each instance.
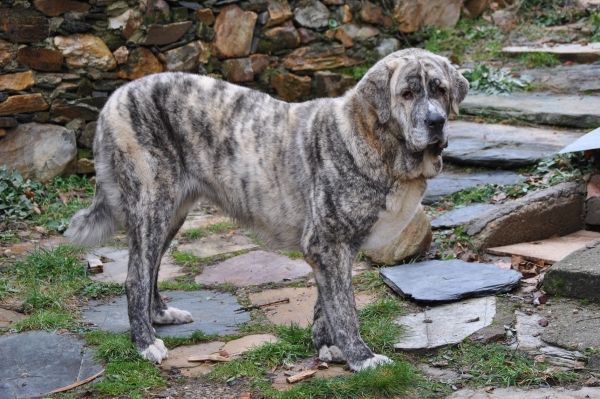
(94, 225)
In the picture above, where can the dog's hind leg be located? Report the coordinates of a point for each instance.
(148, 222)
(161, 313)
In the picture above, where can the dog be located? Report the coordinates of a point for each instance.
(327, 177)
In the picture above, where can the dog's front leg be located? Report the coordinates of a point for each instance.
(336, 319)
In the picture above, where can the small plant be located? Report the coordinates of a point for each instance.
(494, 81)
(539, 60)
(595, 26)
(217, 228)
(16, 196)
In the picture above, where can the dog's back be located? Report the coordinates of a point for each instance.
(202, 138)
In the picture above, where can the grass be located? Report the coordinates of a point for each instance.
(539, 60)
(217, 228)
(494, 364)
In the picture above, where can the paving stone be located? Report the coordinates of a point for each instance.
(580, 112)
(579, 78)
(116, 270)
(460, 216)
(254, 268)
(541, 214)
(589, 141)
(577, 275)
(244, 344)
(503, 146)
(529, 333)
(519, 393)
(218, 245)
(573, 331)
(566, 52)
(447, 324)
(198, 219)
(35, 363)
(550, 250)
(178, 358)
(213, 313)
(9, 317)
(449, 183)
(300, 309)
(451, 280)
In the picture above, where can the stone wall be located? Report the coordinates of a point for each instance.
(61, 59)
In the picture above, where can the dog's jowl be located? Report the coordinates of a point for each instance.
(328, 177)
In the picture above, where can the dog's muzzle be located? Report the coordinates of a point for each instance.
(437, 147)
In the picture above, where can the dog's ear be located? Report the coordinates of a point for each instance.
(459, 89)
(375, 89)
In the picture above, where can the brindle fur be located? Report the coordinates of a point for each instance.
(327, 176)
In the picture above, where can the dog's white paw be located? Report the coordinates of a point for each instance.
(373, 362)
(156, 352)
(173, 316)
(331, 354)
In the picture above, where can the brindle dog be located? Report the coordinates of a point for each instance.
(327, 176)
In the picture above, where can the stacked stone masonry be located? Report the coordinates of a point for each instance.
(61, 59)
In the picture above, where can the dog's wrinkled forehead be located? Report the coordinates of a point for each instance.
(415, 72)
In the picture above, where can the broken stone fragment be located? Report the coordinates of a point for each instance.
(40, 59)
(54, 8)
(318, 58)
(291, 87)
(238, 70)
(312, 14)
(373, 14)
(233, 32)
(24, 26)
(16, 81)
(331, 84)
(279, 11)
(84, 50)
(166, 34)
(23, 103)
(139, 63)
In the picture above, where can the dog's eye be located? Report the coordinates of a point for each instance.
(407, 95)
(441, 91)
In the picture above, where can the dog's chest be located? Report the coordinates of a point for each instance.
(401, 205)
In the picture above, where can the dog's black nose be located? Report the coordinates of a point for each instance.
(435, 121)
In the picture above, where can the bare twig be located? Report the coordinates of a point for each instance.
(76, 384)
(208, 358)
(251, 307)
(301, 376)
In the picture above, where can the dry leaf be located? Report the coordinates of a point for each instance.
(515, 261)
(245, 396)
(540, 358)
(593, 190)
(545, 79)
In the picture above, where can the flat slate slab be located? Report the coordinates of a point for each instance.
(519, 393)
(449, 183)
(550, 250)
(574, 78)
(213, 313)
(300, 309)
(581, 112)
(215, 245)
(257, 267)
(577, 275)
(115, 270)
(566, 52)
(447, 324)
(460, 216)
(503, 146)
(35, 363)
(451, 280)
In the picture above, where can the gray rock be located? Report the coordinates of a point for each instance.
(577, 275)
(594, 363)
(87, 136)
(573, 331)
(592, 215)
(213, 313)
(527, 393)
(450, 183)
(541, 108)
(553, 211)
(579, 78)
(443, 281)
(386, 47)
(460, 216)
(38, 151)
(35, 363)
(502, 145)
(313, 14)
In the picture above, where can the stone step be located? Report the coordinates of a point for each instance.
(565, 52)
(577, 275)
(567, 79)
(503, 146)
(541, 108)
(449, 183)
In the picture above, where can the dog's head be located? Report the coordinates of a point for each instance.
(412, 93)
